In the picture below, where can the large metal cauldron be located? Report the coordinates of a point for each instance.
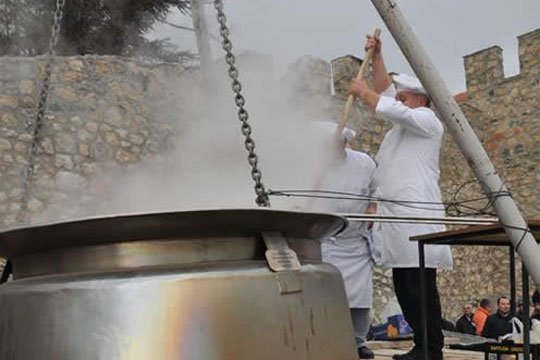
(193, 285)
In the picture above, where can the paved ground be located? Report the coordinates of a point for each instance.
(385, 349)
(386, 354)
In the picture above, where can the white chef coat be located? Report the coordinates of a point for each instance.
(349, 251)
(408, 169)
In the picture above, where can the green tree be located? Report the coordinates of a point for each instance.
(104, 27)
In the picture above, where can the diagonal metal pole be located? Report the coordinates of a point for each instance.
(451, 114)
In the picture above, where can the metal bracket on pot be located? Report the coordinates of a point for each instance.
(283, 261)
(279, 255)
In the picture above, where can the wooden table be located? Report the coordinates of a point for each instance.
(479, 235)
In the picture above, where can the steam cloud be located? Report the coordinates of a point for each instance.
(207, 167)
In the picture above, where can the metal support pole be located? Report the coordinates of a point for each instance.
(455, 120)
(423, 300)
(413, 219)
(203, 39)
(526, 314)
(512, 279)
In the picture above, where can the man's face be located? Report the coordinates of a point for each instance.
(410, 99)
(467, 309)
(504, 305)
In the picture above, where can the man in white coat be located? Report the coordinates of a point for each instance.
(408, 170)
(352, 172)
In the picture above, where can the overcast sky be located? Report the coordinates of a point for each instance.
(448, 30)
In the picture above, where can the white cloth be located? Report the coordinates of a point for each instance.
(349, 252)
(408, 170)
(329, 128)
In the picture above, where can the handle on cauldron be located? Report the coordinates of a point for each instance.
(279, 255)
(283, 261)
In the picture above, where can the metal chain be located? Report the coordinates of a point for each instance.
(22, 216)
(262, 196)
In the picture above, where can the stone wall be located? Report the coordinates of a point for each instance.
(103, 112)
(505, 114)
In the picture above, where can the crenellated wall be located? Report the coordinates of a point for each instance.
(505, 114)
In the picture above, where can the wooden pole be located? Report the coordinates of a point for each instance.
(350, 99)
(344, 117)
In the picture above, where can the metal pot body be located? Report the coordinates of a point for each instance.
(188, 298)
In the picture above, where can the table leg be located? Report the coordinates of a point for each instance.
(526, 315)
(423, 302)
(512, 278)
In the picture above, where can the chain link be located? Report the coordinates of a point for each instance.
(262, 196)
(22, 216)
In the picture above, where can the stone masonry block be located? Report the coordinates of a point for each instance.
(529, 50)
(344, 69)
(484, 68)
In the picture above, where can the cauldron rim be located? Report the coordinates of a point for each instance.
(213, 223)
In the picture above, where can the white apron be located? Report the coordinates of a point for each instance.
(350, 251)
(353, 259)
(408, 169)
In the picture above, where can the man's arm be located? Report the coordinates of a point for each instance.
(421, 121)
(371, 209)
(381, 79)
(459, 325)
(488, 332)
(360, 89)
(478, 323)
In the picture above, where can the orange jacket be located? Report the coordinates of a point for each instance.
(479, 318)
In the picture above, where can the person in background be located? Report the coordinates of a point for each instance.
(536, 305)
(481, 315)
(351, 171)
(408, 170)
(447, 325)
(519, 311)
(465, 324)
(499, 324)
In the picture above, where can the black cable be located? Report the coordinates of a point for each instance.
(525, 231)
(454, 205)
(349, 196)
(360, 197)
(406, 203)
(446, 206)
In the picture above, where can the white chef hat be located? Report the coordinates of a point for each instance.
(330, 128)
(404, 82)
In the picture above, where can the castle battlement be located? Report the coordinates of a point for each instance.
(529, 50)
(484, 68)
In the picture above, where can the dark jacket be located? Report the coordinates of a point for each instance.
(497, 325)
(465, 325)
